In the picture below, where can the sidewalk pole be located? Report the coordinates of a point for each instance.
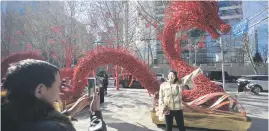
(222, 63)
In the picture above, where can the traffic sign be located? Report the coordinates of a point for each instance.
(240, 28)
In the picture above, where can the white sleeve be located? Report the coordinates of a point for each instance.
(161, 95)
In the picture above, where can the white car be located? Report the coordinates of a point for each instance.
(218, 83)
(159, 76)
(257, 82)
(186, 87)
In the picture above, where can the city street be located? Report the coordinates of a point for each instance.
(230, 87)
(128, 110)
(138, 43)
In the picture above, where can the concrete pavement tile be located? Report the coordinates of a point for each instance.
(122, 109)
(81, 127)
(139, 127)
(122, 126)
(135, 117)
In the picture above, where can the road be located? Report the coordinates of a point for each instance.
(128, 110)
(231, 87)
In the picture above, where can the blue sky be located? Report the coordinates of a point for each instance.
(251, 8)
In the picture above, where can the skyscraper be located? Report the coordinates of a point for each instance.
(258, 26)
(159, 8)
(230, 12)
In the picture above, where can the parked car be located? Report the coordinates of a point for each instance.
(218, 83)
(217, 76)
(160, 76)
(125, 82)
(258, 83)
(111, 80)
(110, 77)
(186, 87)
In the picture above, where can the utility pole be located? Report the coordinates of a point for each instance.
(148, 45)
(148, 52)
(189, 47)
(195, 53)
(222, 63)
(126, 21)
(145, 50)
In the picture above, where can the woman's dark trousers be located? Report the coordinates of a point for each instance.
(178, 114)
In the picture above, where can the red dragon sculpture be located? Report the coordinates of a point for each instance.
(182, 16)
(120, 57)
(104, 55)
(18, 57)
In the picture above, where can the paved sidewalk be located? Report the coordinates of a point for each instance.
(128, 110)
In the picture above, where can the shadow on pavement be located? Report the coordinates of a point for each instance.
(128, 127)
(106, 105)
(188, 128)
(84, 114)
(137, 102)
(121, 125)
(259, 124)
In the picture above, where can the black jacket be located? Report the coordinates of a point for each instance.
(105, 80)
(35, 115)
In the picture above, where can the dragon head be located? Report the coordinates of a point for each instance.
(185, 15)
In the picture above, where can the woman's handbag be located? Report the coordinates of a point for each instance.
(166, 110)
(162, 112)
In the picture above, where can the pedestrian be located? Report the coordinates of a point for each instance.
(162, 80)
(63, 84)
(32, 88)
(170, 101)
(105, 83)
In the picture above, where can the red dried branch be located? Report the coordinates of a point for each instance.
(184, 15)
(18, 57)
(120, 57)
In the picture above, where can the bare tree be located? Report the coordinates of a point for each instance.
(264, 51)
(48, 29)
(249, 51)
(113, 22)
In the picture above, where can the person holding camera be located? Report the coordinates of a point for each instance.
(33, 86)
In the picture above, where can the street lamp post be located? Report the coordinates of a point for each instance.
(195, 54)
(149, 47)
(222, 63)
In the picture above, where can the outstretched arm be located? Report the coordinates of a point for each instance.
(187, 80)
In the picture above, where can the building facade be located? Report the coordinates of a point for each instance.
(230, 12)
(159, 8)
(258, 26)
